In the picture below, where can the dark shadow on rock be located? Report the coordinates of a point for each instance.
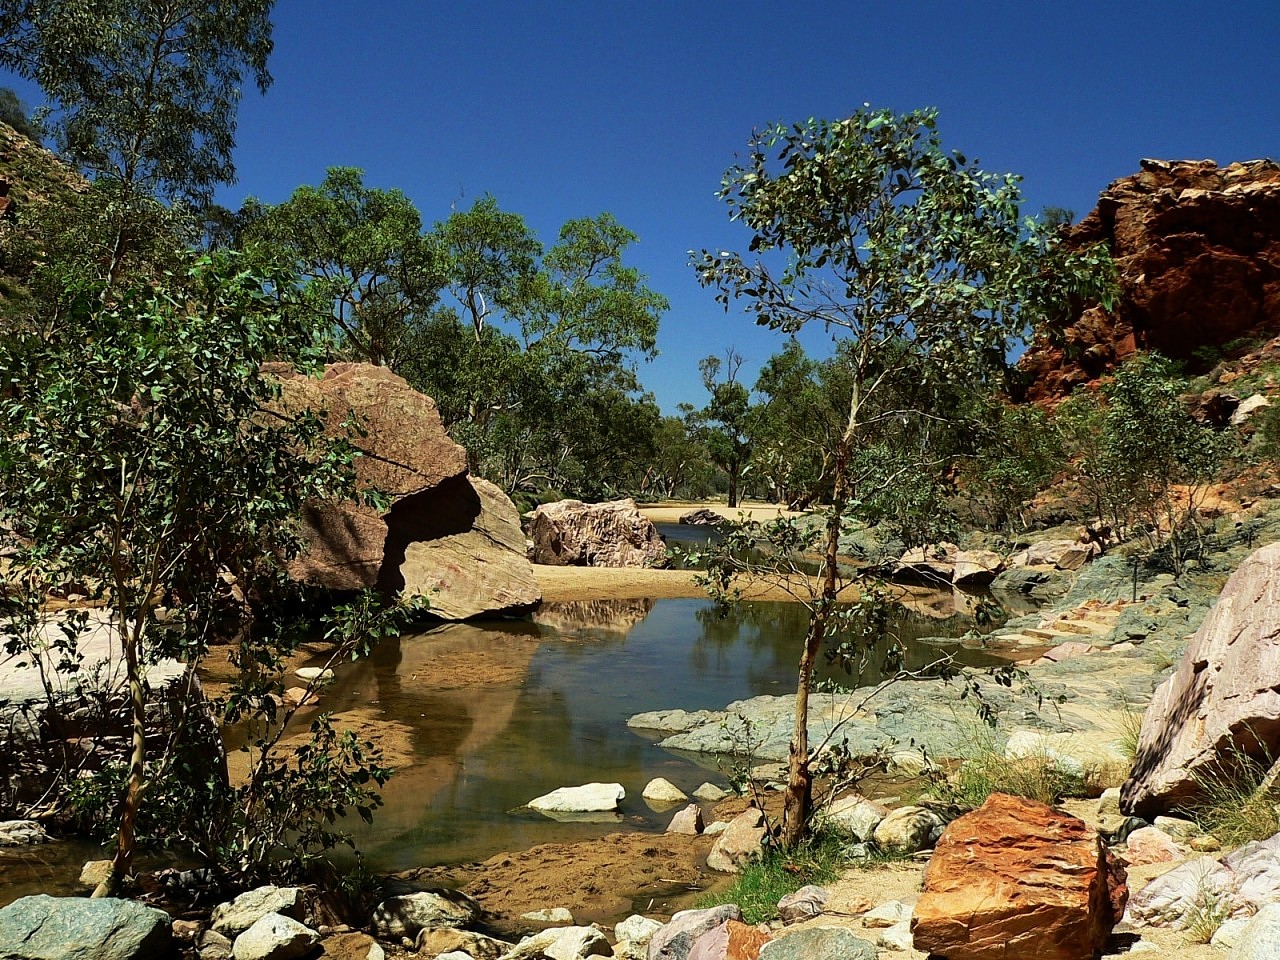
(446, 510)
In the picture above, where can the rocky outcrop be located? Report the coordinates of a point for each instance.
(613, 534)
(1222, 704)
(450, 538)
(1016, 878)
(78, 928)
(1197, 250)
(703, 517)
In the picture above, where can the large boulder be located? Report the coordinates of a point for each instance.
(451, 538)
(613, 534)
(1018, 878)
(1222, 703)
(79, 928)
(1197, 250)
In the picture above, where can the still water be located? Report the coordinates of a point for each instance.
(480, 719)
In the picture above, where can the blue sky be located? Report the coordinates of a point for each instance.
(566, 109)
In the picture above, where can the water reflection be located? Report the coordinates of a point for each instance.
(592, 619)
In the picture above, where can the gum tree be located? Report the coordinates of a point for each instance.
(916, 259)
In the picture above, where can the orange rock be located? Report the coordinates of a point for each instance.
(1016, 878)
(729, 941)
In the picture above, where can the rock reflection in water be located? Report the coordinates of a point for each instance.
(592, 619)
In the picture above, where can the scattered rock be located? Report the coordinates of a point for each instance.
(1069, 753)
(855, 815)
(93, 873)
(933, 563)
(1240, 883)
(1178, 827)
(1222, 701)
(613, 534)
(322, 674)
(908, 763)
(1247, 408)
(633, 935)
(1229, 932)
(906, 829)
(1259, 939)
(214, 946)
(1018, 878)
(976, 568)
(731, 940)
(674, 940)
(897, 937)
(557, 915)
(702, 517)
(661, 790)
(687, 821)
(803, 904)
(358, 946)
(888, 914)
(405, 915)
(21, 833)
(275, 937)
(586, 798)
(739, 843)
(710, 793)
(79, 928)
(819, 943)
(715, 829)
(561, 943)
(1150, 845)
(435, 941)
(231, 919)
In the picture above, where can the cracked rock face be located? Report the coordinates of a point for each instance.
(1197, 251)
(451, 538)
(614, 534)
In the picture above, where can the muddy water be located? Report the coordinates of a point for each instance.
(480, 719)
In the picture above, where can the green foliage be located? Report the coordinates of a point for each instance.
(763, 882)
(1141, 456)
(146, 456)
(142, 93)
(1237, 798)
(14, 113)
(726, 422)
(918, 260)
(1017, 452)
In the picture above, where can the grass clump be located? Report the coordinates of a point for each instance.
(763, 882)
(1238, 799)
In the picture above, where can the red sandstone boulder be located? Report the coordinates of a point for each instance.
(1016, 878)
(1197, 249)
(451, 538)
(731, 940)
(1223, 701)
(614, 534)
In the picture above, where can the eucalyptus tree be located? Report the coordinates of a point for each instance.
(917, 260)
(368, 268)
(727, 419)
(143, 96)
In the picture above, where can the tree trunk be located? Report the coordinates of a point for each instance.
(122, 863)
(733, 486)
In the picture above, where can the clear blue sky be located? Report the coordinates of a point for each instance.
(565, 109)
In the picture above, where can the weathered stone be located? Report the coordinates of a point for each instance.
(975, 568)
(557, 915)
(435, 941)
(1197, 252)
(856, 815)
(1247, 408)
(405, 915)
(1259, 939)
(730, 940)
(676, 938)
(275, 937)
(1017, 878)
(1150, 845)
(635, 932)
(739, 843)
(247, 909)
(612, 534)
(687, 821)
(1238, 884)
(1178, 827)
(803, 904)
(887, 914)
(818, 943)
(934, 563)
(906, 829)
(1103, 758)
(588, 797)
(79, 928)
(1228, 932)
(897, 937)
(476, 565)
(663, 791)
(561, 943)
(1222, 702)
(214, 946)
(323, 674)
(93, 873)
(21, 833)
(710, 793)
(702, 517)
(907, 763)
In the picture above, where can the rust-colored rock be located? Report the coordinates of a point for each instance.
(1197, 250)
(571, 533)
(1223, 701)
(732, 940)
(1016, 878)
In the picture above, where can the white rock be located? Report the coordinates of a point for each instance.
(275, 937)
(1227, 934)
(715, 828)
(897, 937)
(551, 915)
(1247, 408)
(906, 829)
(710, 792)
(636, 928)
(908, 763)
(586, 798)
(94, 872)
(854, 814)
(661, 790)
(888, 914)
(21, 833)
(1260, 937)
(1070, 753)
(323, 674)
(230, 919)
(562, 943)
